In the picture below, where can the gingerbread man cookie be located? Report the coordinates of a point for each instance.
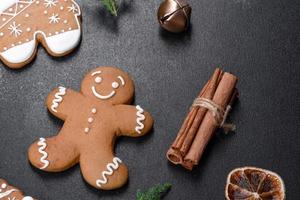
(8, 192)
(25, 23)
(93, 119)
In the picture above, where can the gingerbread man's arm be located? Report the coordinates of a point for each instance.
(133, 120)
(62, 101)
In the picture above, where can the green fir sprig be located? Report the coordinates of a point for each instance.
(111, 6)
(154, 193)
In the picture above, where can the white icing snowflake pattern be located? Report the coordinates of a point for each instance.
(73, 8)
(14, 198)
(50, 3)
(54, 19)
(15, 29)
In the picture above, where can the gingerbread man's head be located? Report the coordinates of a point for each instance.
(108, 85)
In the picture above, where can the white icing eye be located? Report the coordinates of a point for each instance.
(115, 85)
(98, 79)
(3, 185)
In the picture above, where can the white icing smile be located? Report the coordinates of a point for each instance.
(114, 85)
(98, 95)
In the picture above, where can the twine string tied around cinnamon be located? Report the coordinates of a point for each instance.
(217, 111)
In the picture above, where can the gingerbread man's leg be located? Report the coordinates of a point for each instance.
(53, 154)
(103, 170)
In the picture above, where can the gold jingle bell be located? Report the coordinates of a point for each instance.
(174, 15)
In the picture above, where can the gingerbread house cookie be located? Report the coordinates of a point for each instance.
(25, 23)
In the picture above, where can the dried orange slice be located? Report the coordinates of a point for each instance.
(251, 183)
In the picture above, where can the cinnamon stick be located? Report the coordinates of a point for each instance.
(212, 86)
(190, 125)
(223, 95)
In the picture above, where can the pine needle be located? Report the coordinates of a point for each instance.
(111, 6)
(154, 193)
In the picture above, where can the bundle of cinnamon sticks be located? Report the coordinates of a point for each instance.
(208, 113)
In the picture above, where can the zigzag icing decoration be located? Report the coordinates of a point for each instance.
(114, 165)
(42, 146)
(58, 98)
(139, 120)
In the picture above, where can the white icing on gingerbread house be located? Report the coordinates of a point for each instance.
(58, 24)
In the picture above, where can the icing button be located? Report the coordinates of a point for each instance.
(1, 34)
(90, 120)
(86, 130)
(27, 15)
(94, 110)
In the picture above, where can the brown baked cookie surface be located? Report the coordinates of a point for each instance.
(25, 23)
(8, 192)
(93, 119)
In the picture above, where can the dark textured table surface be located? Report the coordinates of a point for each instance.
(257, 40)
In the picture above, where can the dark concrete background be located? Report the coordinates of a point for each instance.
(258, 40)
